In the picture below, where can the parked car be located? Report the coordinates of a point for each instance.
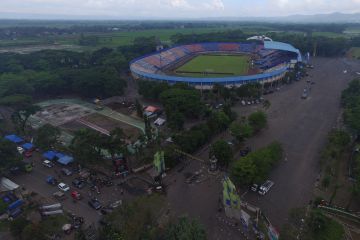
(48, 163)
(28, 154)
(264, 188)
(78, 183)
(76, 195)
(59, 195)
(51, 180)
(66, 172)
(245, 151)
(95, 204)
(105, 211)
(20, 150)
(63, 187)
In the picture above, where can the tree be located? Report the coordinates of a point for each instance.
(256, 166)
(218, 121)
(17, 227)
(244, 171)
(185, 229)
(222, 151)
(241, 131)
(34, 231)
(115, 143)
(9, 155)
(139, 108)
(47, 136)
(87, 145)
(22, 114)
(257, 120)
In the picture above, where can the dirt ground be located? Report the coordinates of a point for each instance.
(301, 126)
(110, 124)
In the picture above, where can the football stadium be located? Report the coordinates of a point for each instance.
(205, 64)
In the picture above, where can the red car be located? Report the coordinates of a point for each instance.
(76, 195)
(28, 154)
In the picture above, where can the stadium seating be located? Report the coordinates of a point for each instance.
(267, 58)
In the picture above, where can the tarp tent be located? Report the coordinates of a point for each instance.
(7, 185)
(50, 155)
(28, 146)
(13, 138)
(65, 160)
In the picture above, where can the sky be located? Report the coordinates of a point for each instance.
(173, 9)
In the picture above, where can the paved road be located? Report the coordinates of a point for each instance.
(301, 126)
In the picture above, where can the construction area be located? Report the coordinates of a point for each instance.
(71, 115)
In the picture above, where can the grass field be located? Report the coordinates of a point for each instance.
(221, 66)
(113, 39)
(355, 52)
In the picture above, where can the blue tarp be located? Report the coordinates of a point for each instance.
(13, 138)
(65, 160)
(15, 204)
(28, 146)
(60, 155)
(50, 155)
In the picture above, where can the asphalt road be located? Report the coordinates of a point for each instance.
(301, 125)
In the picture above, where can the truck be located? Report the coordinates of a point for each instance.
(265, 187)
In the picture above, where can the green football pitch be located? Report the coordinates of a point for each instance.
(215, 66)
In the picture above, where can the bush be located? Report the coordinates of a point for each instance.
(256, 166)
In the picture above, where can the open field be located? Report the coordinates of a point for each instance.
(113, 39)
(215, 66)
(355, 52)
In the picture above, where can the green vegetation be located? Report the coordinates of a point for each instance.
(256, 166)
(9, 155)
(47, 136)
(135, 220)
(185, 229)
(355, 52)
(181, 103)
(222, 151)
(87, 145)
(257, 120)
(241, 131)
(316, 226)
(215, 66)
(191, 140)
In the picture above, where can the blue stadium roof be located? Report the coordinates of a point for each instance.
(282, 46)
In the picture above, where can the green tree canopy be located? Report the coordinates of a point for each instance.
(222, 151)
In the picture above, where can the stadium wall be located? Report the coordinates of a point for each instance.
(207, 83)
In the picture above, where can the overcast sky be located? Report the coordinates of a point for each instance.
(173, 9)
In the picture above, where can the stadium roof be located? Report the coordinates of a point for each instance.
(282, 46)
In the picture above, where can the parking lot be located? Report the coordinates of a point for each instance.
(36, 181)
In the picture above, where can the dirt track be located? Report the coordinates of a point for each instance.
(301, 126)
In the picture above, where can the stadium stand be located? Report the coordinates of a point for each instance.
(271, 57)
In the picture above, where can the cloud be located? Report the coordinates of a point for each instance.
(177, 8)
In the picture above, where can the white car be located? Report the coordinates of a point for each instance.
(48, 164)
(265, 187)
(63, 187)
(20, 150)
